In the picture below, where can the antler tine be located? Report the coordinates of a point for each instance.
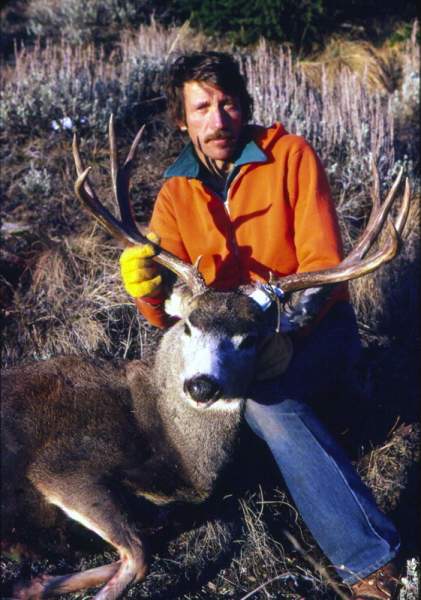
(113, 156)
(404, 210)
(79, 164)
(377, 219)
(76, 155)
(121, 176)
(129, 160)
(130, 236)
(100, 212)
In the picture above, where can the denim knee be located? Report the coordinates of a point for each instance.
(267, 420)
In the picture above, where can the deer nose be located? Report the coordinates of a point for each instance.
(202, 388)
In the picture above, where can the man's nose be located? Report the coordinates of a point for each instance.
(218, 118)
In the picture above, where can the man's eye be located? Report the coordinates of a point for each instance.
(231, 105)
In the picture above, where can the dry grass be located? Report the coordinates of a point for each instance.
(359, 58)
(380, 69)
(385, 468)
(411, 581)
(156, 40)
(368, 292)
(80, 305)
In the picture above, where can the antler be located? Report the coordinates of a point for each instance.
(126, 230)
(355, 264)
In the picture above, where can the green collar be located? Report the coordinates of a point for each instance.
(189, 165)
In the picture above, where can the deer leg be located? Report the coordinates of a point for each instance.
(45, 585)
(90, 503)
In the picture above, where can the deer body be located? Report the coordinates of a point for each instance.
(76, 431)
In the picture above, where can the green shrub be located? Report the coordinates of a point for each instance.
(245, 22)
(301, 23)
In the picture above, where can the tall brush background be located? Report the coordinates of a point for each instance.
(336, 73)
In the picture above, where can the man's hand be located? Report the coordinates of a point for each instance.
(139, 272)
(306, 309)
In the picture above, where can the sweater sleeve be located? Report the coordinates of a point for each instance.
(164, 221)
(164, 224)
(316, 231)
(316, 235)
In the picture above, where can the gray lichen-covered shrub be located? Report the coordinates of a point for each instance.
(406, 99)
(411, 581)
(37, 181)
(81, 21)
(408, 93)
(84, 83)
(80, 83)
(340, 120)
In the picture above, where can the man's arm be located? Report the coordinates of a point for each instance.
(316, 235)
(164, 224)
(316, 231)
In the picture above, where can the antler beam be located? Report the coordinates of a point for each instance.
(355, 264)
(126, 231)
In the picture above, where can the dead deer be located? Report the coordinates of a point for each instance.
(76, 431)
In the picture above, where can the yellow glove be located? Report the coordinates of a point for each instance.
(274, 356)
(139, 272)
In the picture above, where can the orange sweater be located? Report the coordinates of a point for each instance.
(278, 217)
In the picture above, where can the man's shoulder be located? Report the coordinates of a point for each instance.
(176, 185)
(276, 138)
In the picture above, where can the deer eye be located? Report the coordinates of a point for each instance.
(187, 329)
(248, 342)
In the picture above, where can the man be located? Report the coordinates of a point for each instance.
(251, 201)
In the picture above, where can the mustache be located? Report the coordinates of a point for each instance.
(221, 134)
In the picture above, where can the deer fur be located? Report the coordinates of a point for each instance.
(76, 431)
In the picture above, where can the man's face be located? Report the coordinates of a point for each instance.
(214, 121)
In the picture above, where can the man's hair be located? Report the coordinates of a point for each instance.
(217, 68)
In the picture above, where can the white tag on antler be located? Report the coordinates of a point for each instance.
(262, 298)
(265, 294)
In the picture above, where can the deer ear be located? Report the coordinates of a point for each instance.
(179, 303)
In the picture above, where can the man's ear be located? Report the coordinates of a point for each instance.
(182, 126)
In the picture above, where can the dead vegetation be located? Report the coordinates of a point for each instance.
(358, 58)
(62, 294)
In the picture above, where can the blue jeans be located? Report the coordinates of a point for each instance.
(337, 507)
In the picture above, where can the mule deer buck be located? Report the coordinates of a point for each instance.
(84, 435)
